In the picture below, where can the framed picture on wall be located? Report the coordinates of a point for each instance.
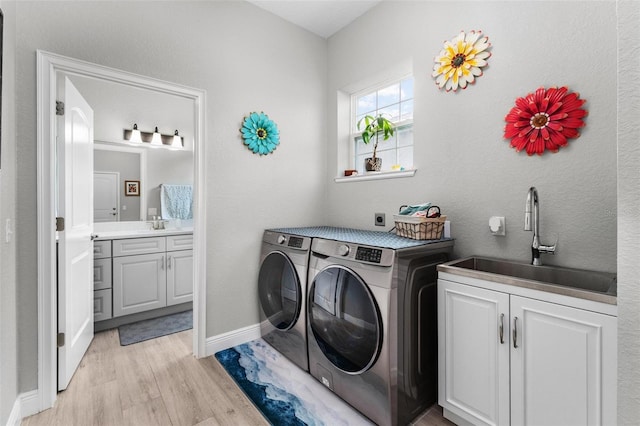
(132, 188)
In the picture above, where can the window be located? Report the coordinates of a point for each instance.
(395, 102)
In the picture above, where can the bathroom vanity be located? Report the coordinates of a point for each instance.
(521, 344)
(139, 271)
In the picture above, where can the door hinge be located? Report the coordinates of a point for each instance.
(60, 340)
(59, 108)
(59, 224)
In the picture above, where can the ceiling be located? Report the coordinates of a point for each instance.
(322, 17)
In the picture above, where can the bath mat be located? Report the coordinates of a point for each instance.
(156, 327)
(285, 394)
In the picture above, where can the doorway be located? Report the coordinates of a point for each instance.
(50, 67)
(106, 195)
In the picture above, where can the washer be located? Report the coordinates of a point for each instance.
(371, 324)
(282, 286)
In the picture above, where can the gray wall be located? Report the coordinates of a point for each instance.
(464, 164)
(628, 213)
(247, 60)
(127, 164)
(8, 323)
(247, 193)
(165, 166)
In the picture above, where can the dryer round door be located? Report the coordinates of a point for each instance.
(345, 319)
(279, 290)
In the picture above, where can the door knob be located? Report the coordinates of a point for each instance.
(94, 236)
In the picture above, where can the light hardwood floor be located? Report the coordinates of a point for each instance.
(157, 382)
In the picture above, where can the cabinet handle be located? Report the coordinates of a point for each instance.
(501, 329)
(162, 263)
(168, 262)
(515, 332)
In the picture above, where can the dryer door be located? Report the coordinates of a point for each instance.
(345, 319)
(279, 290)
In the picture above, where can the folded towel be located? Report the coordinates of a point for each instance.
(409, 210)
(176, 201)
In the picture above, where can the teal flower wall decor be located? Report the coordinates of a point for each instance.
(260, 133)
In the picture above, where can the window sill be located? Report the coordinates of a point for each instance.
(376, 176)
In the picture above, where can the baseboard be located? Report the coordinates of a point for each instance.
(29, 403)
(26, 404)
(232, 338)
(14, 416)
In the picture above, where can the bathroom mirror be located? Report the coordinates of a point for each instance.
(118, 107)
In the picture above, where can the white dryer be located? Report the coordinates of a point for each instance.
(371, 324)
(282, 286)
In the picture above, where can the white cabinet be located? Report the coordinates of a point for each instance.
(473, 373)
(146, 275)
(510, 359)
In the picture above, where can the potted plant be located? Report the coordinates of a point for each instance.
(373, 128)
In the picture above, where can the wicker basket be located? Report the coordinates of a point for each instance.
(419, 228)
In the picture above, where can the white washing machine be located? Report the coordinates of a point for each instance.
(371, 324)
(282, 286)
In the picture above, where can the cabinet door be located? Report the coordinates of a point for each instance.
(102, 249)
(179, 277)
(102, 305)
(134, 246)
(139, 283)
(101, 274)
(473, 371)
(563, 365)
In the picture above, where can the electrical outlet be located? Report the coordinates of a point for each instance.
(379, 219)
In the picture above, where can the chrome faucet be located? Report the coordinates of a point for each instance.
(536, 246)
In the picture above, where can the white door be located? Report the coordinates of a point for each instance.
(75, 204)
(563, 368)
(106, 197)
(473, 348)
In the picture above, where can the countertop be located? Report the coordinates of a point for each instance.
(140, 233)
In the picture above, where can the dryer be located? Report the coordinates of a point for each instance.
(282, 287)
(371, 324)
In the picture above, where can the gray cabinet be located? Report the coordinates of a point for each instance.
(139, 283)
(102, 280)
(151, 273)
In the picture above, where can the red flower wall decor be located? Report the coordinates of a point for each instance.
(545, 119)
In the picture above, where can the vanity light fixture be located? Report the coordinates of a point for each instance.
(135, 134)
(177, 140)
(154, 138)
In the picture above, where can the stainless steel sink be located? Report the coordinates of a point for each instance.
(593, 285)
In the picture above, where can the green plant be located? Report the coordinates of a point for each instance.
(374, 127)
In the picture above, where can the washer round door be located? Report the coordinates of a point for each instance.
(345, 319)
(279, 290)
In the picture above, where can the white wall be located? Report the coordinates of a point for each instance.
(247, 60)
(628, 213)
(464, 164)
(8, 321)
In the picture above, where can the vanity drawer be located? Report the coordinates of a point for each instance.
(180, 242)
(102, 305)
(101, 249)
(101, 274)
(133, 246)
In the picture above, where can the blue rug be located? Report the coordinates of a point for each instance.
(285, 394)
(156, 327)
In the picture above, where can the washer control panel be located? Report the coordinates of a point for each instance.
(368, 254)
(295, 242)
